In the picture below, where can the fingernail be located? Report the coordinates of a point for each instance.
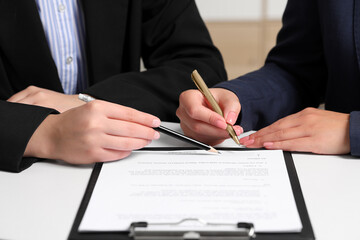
(268, 144)
(239, 130)
(231, 118)
(156, 135)
(220, 124)
(244, 139)
(156, 122)
(249, 142)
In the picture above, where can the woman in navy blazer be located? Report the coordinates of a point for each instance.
(316, 60)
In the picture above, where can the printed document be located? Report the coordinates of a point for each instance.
(168, 186)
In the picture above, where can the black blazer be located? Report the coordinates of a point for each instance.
(168, 35)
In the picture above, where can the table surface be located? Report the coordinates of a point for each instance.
(42, 201)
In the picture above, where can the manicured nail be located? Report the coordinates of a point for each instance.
(239, 130)
(156, 122)
(220, 124)
(244, 139)
(156, 135)
(249, 142)
(268, 144)
(231, 118)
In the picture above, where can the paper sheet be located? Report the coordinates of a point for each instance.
(234, 186)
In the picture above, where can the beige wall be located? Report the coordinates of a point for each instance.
(244, 44)
(240, 10)
(244, 30)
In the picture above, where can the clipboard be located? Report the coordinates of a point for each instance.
(245, 230)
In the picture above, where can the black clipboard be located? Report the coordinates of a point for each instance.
(306, 233)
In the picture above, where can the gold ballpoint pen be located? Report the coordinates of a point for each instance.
(200, 84)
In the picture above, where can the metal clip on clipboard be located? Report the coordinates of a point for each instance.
(192, 229)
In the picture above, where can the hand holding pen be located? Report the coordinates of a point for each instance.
(167, 131)
(199, 120)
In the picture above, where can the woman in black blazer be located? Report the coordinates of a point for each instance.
(168, 35)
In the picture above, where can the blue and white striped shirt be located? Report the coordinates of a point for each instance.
(64, 29)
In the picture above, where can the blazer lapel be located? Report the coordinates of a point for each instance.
(25, 45)
(357, 29)
(105, 24)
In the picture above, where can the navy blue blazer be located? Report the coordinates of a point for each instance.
(316, 60)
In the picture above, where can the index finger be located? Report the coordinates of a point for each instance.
(193, 103)
(116, 111)
(284, 123)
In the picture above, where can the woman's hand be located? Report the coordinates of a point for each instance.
(98, 131)
(310, 130)
(199, 121)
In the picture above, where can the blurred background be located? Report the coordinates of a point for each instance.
(243, 30)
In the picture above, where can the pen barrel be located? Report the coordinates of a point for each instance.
(214, 105)
(201, 85)
(232, 133)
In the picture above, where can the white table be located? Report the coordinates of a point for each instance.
(41, 202)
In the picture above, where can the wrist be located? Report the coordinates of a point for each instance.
(77, 102)
(41, 143)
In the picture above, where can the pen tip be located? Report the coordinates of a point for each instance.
(236, 140)
(213, 150)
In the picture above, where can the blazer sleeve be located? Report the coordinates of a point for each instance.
(18, 122)
(174, 42)
(294, 75)
(355, 133)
